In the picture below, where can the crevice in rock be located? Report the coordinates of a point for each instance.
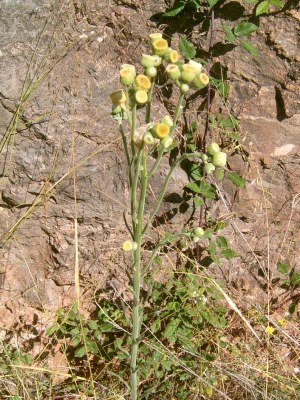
(281, 114)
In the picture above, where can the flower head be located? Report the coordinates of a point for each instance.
(142, 82)
(213, 148)
(196, 65)
(201, 80)
(167, 120)
(155, 36)
(188, 73)
(173, 71)
(129, 245)
(141, 96)
(159, 47)
(220, 159)
(161, 131)
(171, 55)
(148, 60)
(127, 75)
(118, 98)
(269, 330)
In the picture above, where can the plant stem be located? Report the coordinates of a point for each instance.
(148, 111)
(137, 312)
(161, 150)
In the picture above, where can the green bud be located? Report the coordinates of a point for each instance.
(201, 80)
(184, 88)
(167, 120)
(159, 47)
(157, 61)
(196, 239)
(148, 60)
(198, 232)
(173, 71)
(213, 148)
(148, 138)
(151, 72)
(209, 168)
(155, 36)
(141, 96)
(188, 73)
(196, 65)
(116, 110)
(220, 159)
(204, 158)
(167, 141)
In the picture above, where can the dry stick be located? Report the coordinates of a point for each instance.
(202, 209)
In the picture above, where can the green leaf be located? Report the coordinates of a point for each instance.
(212, 3)
(93, 325)
(52, 329)
(250, 48)
(277, 3)
(207, 190)
(262, 8)
(171, 329)
(186, 48)
(173, 11)
(193, 187)
(295, 278)
(236, 179)
(228, 254)
(244, 28)
(282, 267)
(229, 34)
(80, 352)
(198, 201)
(222, 242)
(76, 340)
(194, 4)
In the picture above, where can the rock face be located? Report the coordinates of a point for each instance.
(62, 158)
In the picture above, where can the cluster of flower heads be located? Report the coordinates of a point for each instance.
(214, 160)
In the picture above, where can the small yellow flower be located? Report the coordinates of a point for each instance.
(281, 321)
(155, 36)
(142, 82)
(161, 131)
(127, 75)
(201, 80)
(129, 245)
(118, 98)
(171, 55)
(141, 97)
(269, 330)
(159, 47)
(173, 71)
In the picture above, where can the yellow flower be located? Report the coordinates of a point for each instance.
(118, 98)
(129, 245)
(201, 80)
(281, 321)
(159, 47)
(141, 97)
(161, 131)
(188, 73)
(173, 71)
(269, 330)
(127, 75)
(142, 82)
(155, 36)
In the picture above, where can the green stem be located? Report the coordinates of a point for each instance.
(134, 185)
(175, 119)
(133, 127)
(148, 111)
(137, 309)
(165, 185)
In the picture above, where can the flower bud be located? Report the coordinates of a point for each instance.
(148, 61)
(141, 96)
(128, 66)
(151, 72)
(184, 88)
(148, 138)
(129, 245)
(142, 82)
(171, 55)
(167, 120)
(204, 158)
(198, 232)
(161, 131)
(159, 47)
(196, 65)
(209, 168)
(188, 73)
(157, 61)
(127, 76)
(116, 110)
(196, 239)
(220, 159)
(213, 148)
(118, 98)
(173, 71)
(155, 36)
(167, 141)
(201, 80)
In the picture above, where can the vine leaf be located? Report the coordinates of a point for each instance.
(262, 8)
(186, 48)
(244, 28)
(250, 48)
(236, 179)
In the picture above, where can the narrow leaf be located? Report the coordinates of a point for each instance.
(277, 3)
(236, 179)
(187, 49)
(229, 34)
(250, 48)
(262, 8)
(244, 28)
(173, 11)
(282, 268)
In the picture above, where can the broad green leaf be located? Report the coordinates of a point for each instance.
(186, 48)
(207, 190)
(236, 179)
(262, 8)
(228, 254)
(212, 3)
(195, 173)
(277, 3)
(52, 329)
(295, 278)
(92, 346)
(93, 325)
(229, 34)
(80, 352)
(282, 267)
(76, 340)
(193, 187)
(250, 48)
(244, 28)
(171, 328)
(173, 11)
(194, 4)
(222, 242)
